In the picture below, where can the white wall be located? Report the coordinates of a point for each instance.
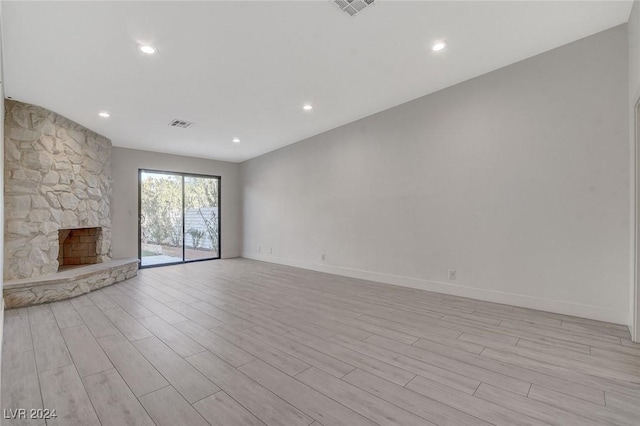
(633, 28)
(125, 164)
(518, 179)
(1, 195)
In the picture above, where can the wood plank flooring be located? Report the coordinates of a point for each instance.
(239, 342)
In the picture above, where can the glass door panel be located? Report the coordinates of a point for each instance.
(161, 225)
(179, 217)
(201, 218)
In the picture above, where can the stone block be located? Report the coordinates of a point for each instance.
(23, 174)
(21, 117)
(48, 227)
(47, 143)
(80, 194)
(39, 215)
(68, 201)
(51, 178)
(23, 134)
(95, 194)
(52, 199)
(38, 160)
(48, 128)
(92, 218)
(92, 166)
(76, 141)
(39, 202)
(20, 254)
(37, 257)
(14, 244)
(61, 164)
(62, 133)
(50, 268)
(91, 180)
(69, 219)
(104, 210)
(40, 242)
(66, 177)
(104, 247)
(21, 227)
(12, 153)
(57, 215)
(54, 250)
(74, 158)
(18, 202)
(21, 186)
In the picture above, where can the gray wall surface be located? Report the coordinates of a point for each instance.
(518, 180)
(634, 52)
(125, 165)
(633, 28)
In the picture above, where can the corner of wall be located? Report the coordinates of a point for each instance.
(633, 34)
(1, 197)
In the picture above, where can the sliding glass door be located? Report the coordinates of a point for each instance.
(201, 217)
(179, 217)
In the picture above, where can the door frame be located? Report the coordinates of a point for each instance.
(182, 175)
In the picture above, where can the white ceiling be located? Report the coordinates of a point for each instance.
(244, 69)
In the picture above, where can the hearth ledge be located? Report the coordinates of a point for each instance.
(67, 284)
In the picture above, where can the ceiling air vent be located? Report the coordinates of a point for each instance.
(180, 123)
(352, 7)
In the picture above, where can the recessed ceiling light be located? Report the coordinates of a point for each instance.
(439, 45)
(307, 107)
(149, 50)
(236, 140)
(104, 114)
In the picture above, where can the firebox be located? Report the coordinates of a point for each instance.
(78, 246)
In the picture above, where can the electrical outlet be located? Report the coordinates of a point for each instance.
(259, 249)
(323, 258)
(452, 274)
(270, 250)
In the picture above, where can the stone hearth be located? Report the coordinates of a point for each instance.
(66, 284)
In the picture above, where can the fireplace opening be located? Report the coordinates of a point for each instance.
(78, 247)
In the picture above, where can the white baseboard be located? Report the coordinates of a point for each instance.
(548, 305)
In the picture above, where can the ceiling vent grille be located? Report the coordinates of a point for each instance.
(181, 123)
(353, 7)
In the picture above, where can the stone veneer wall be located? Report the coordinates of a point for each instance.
(57, 175)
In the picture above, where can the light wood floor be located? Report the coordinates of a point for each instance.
(238, 342)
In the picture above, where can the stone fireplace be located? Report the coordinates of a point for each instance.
(59, 178)
(78, 247)
(57, 208)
